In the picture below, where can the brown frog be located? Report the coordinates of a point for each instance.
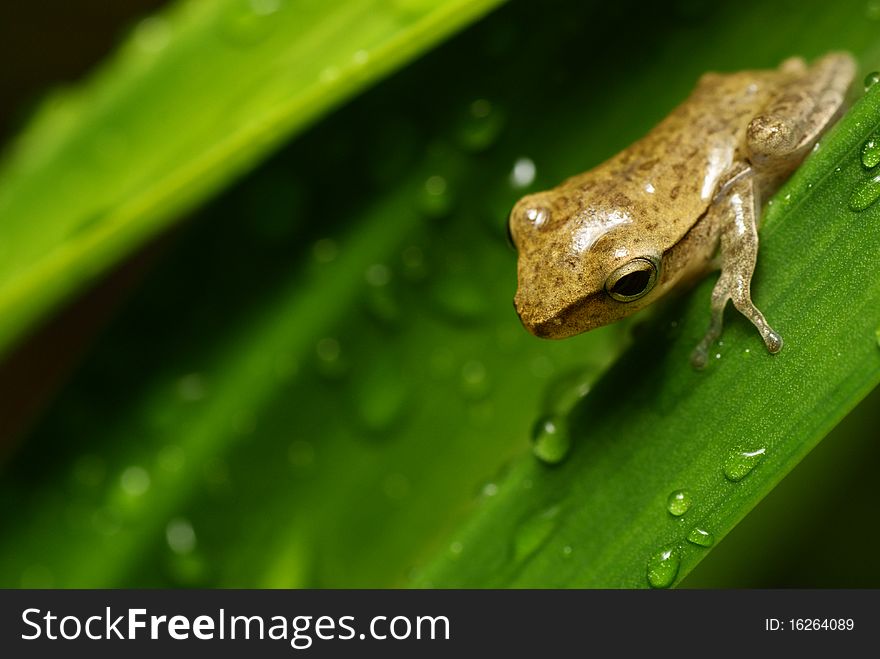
(608, 242)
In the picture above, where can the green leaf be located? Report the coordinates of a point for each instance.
(323, 375)
(666, 459)
(195, 96)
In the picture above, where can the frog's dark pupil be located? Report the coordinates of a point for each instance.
(632, 284)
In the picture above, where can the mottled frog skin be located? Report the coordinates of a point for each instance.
(608, 242)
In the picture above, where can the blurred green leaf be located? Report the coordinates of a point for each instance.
(195, 96)
(324, 376)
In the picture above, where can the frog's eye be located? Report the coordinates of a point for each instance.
(632, 280)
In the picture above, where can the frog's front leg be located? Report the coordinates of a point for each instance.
(739, 252)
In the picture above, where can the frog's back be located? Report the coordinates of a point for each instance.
(667, 179)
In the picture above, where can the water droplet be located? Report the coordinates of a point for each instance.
(566, 551)
(534, 532)
(523, 173)
(474, 379)
(191, 387)
(325, 250)
(413, 260)
(663, 567)
(865, 195)
(180, 536)
(456, 548)
(701, 537)
(871, 151)
(551, 441)
(739, 463)
(135, 481)
(378, 274)
(152, 34)
(872, 78)
(437, 199)
(481, 126)
(328, 75)
(489, 490)
(301, 454)
(872, 10)
(246, 22)
(328, 349)
(360, 57)
(679, 502)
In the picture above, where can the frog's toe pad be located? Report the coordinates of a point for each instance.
(773, 341)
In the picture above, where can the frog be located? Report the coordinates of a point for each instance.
(680, 202)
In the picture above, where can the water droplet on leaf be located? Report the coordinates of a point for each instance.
(739, 463)
(551, 441)
(679, 502)
(663, 567)
(865, 195)
(871, 151)
(701, 537)
(481, 126)
(533, 532)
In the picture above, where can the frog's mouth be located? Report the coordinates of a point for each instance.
(565, 322)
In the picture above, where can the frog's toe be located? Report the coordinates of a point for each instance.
(773, 341)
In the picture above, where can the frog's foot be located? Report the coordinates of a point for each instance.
(739, 253)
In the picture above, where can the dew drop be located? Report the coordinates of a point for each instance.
(247, 22)
(663, 567)
(865, 195)
(565, 391)
(152, 34)
(330, 361)
(474, 380)
(481, 126)
(360, 57)
(872, 78)
(701, 537)
(872, 10)
(456, 548)
(378, 275)
(551, 441)
(739, 463)
(325, 250)
(679, 502)
(523, 173)
(135, 481)
(191, 387)
(532, 533)
(871, 151)
(180, 536)
(436, 200)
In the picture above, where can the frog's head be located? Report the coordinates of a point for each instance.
(581, 265)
